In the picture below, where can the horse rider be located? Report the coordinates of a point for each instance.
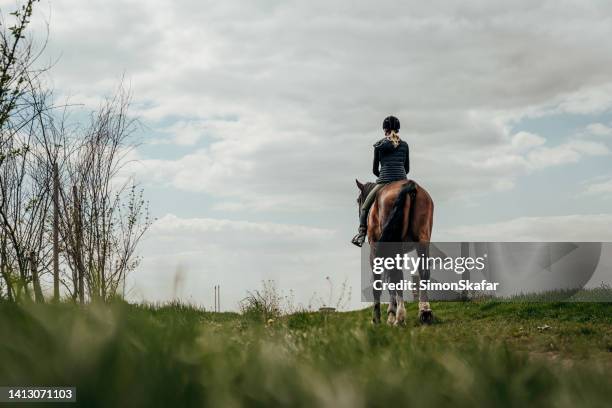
(391, 163)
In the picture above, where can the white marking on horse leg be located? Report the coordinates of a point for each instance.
(390, 318)
(425, 313)
(400, 316)
(391, 310)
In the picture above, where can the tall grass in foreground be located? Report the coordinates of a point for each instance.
(144, 356)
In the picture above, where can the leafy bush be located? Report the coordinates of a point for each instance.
(264, 304)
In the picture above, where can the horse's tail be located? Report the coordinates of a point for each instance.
(392, 230)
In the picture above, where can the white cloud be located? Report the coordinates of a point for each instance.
(599, 188)
(185, 133)
(585, 100)
(307, 84)
(599, 129)
(272, 176)
(238, 255)
(576, 228)
(171, 224)
(570, 152)
(523, 141)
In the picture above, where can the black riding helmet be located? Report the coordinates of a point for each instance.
(391, 123)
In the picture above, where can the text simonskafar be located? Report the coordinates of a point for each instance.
(462, 285)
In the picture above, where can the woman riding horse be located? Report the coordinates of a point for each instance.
(391, 163)
(392, 211)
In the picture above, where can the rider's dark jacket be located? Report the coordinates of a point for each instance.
(390, 163)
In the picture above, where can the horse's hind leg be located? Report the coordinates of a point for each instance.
(398, 298)
(397, 312)
(400, 316)
(425, 312)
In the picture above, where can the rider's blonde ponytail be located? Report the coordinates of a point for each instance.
(393, 136)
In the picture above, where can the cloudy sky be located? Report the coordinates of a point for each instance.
(258, 115)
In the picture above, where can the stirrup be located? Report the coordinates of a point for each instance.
(359, 239)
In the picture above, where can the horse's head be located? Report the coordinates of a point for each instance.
(364, 189)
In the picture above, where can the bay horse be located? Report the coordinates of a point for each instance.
(402, 213)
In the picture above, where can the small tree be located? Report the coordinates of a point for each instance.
(109, 215)
(23, 199)
(100, 220)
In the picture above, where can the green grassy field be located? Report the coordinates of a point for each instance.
(486, 354)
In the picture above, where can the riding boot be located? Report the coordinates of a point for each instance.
(359, 239)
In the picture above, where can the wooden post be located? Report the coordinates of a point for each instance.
(55, 233)
(38, 296)
(78, 242)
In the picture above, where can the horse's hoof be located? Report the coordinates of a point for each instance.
(426, 317)
(375, 318)
(391, 318)
(399, 323)
(376, 314)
